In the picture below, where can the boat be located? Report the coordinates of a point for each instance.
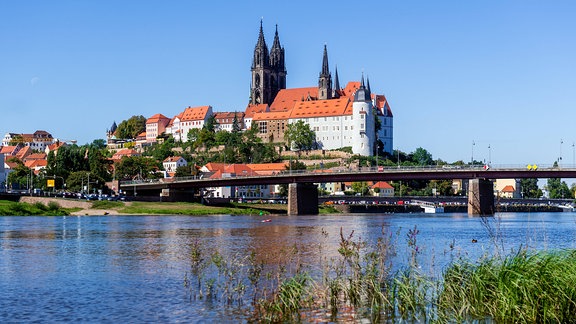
(266, 220)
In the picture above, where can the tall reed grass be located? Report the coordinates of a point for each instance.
(360, 283)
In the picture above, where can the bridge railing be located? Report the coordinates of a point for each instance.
(372, 169)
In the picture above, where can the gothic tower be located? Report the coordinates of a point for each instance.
(268, 70)
(325, 79)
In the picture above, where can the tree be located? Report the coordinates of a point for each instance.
(20, 176)
(360, 187)
(529, 188)
(299, 136)
(134, 167)
(422, 157)
(557, 189)
(132, 127)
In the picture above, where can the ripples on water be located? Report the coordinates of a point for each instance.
(131, 268)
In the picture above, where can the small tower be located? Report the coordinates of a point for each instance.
(364, 124)
(325, 79)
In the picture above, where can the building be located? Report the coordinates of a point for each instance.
(190, 118)
(156, 125)
(382, 189)
(340, 117)
(226, 120)
(38, 141)
(171, 163)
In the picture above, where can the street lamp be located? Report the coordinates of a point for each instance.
(560, 158)
(489, 155)
(473, 143)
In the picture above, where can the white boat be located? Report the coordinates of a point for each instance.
(433, 209)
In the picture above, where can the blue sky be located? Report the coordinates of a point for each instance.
(499, 74)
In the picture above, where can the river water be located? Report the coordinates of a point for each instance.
(132, 268)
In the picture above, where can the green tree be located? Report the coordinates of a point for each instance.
(136, 167)
(20, 176)
(299, 136)
(360, 187)
(132, 127)
(558, 189)
(529, 188)
(422, 157)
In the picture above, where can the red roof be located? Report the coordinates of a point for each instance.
(252, 109)
(157, 118)
(196, 113)
(508, 188)
(322, 108)
(287, 98)
(382, 185)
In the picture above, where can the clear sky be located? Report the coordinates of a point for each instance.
(499, 74)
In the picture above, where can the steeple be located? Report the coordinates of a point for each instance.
(325, 79)
(325, 70)
(336, 90)
(362, 94)
(268, 70)
(261, 50)
(277, 52)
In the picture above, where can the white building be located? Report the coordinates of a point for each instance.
(190, 118)
(171, 163)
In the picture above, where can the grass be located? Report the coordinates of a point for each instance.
(180, 208)
(526, 287)
(530, 287)
(10, 208)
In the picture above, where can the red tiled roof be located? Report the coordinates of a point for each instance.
(172, 158)
(196, 113)
(286, 98)
(252, 109)
(273, 115)
(382, 185)
(508, 188)
(8, 150)
(322, 108)
(215, 166)
(24, 152)
(157, 118)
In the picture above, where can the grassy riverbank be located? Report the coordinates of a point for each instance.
(56, 206)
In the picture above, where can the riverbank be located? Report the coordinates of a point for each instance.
(77, 207)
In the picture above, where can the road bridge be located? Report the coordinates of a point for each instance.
(480, 192)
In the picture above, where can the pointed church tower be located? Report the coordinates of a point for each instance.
(337, 90)
(277, 65)
(325, 79)
(268, 70)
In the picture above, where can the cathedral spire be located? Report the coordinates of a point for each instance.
(325, 69)
(325, 79)
(336, 90)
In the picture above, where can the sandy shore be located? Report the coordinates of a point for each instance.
(85, 206)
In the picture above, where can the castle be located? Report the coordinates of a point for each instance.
(349, 116)
(340, 117)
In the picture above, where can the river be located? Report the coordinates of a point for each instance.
(132, 268)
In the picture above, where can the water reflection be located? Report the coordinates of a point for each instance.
(110, 268)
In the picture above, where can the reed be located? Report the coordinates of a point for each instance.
(528, 287)
(359, 283)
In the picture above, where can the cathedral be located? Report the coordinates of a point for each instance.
(340, 117)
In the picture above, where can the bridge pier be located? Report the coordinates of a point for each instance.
(480, 197)
(302, 199)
